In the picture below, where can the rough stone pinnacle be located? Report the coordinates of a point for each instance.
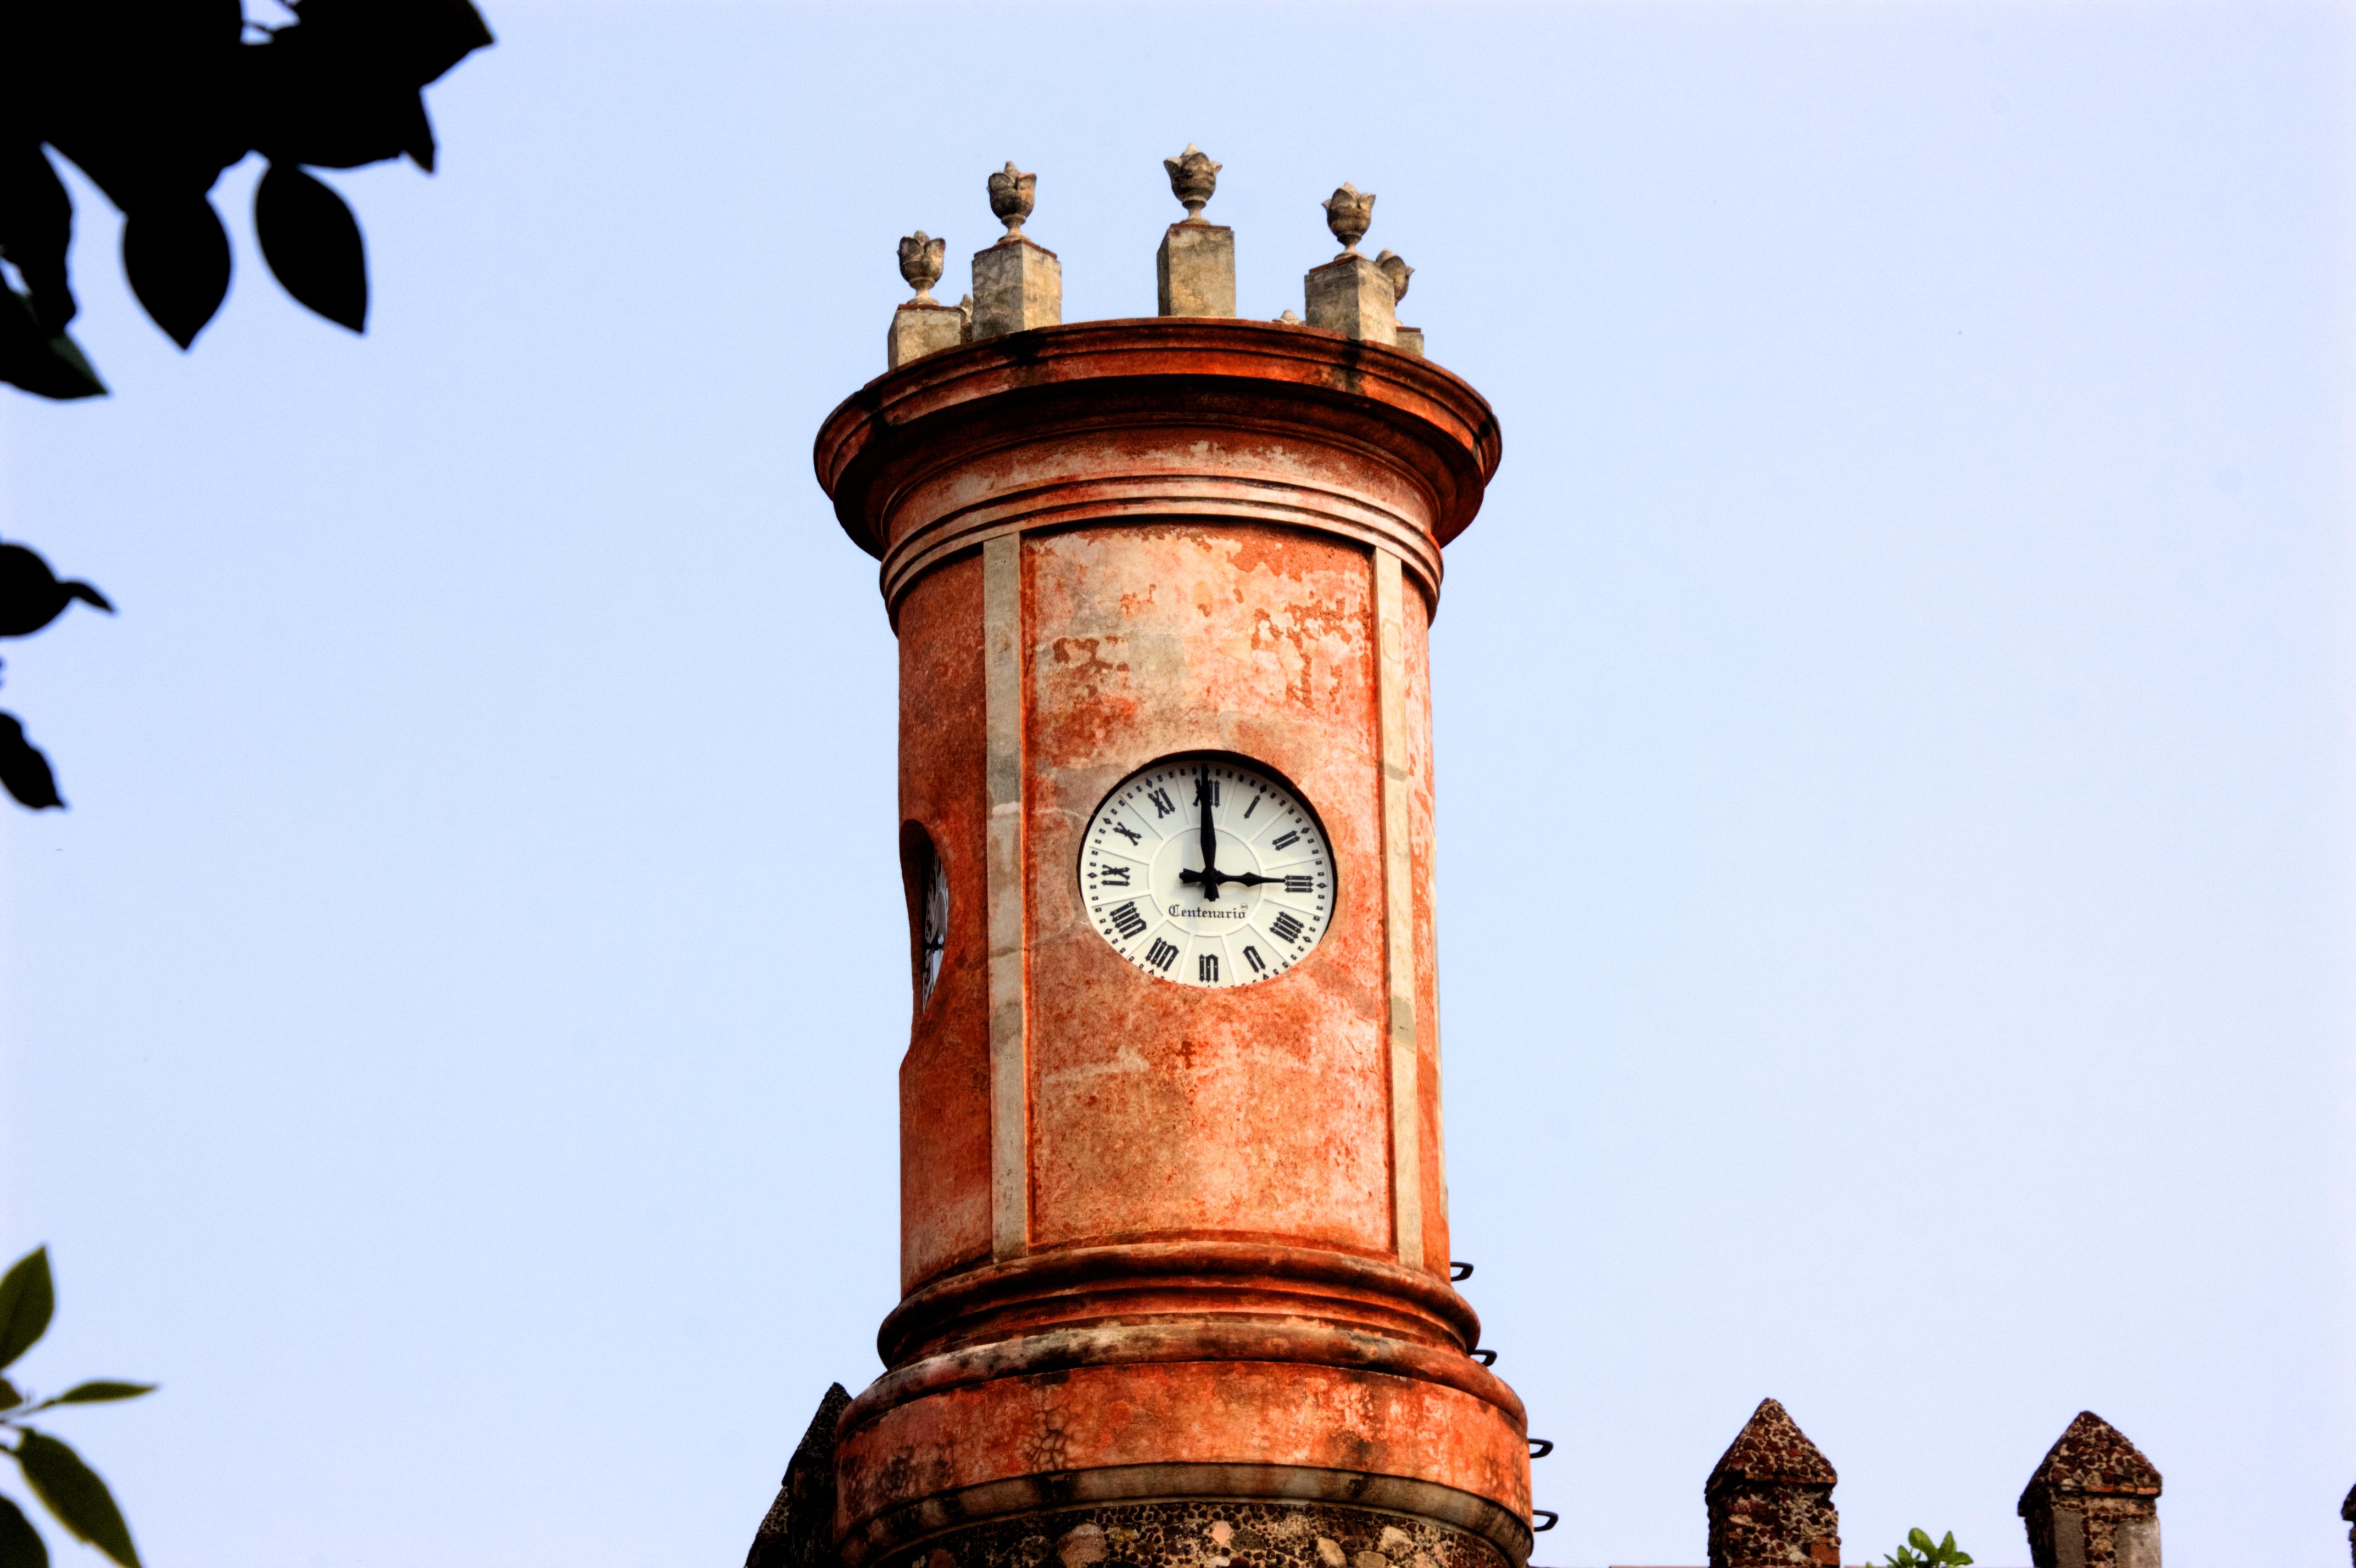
(1349, 213)
(1193, 177)
(1012, 197)
(1395, 269)
(920, 264)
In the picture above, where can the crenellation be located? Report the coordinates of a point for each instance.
(2094, 1502)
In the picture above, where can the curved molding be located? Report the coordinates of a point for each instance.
(1072, 1282)
(1134, 1344)
(917, 1525)
(1404, 448)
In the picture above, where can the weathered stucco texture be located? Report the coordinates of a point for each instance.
(944, 1078)
(1160, 1109)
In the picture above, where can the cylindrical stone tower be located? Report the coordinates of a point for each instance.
(1173, 1216)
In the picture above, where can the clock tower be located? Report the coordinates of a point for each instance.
(1173, 1243)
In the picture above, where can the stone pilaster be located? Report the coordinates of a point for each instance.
(1194, 271)
(1018, 284)
(1349, 295)
(1770, 1499)
(920, 327)
(2094, 1502)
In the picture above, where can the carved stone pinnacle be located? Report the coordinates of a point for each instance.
(920, 264)
(1193, 177)
(1349, 213)
(1012, 197)
(1395, 269)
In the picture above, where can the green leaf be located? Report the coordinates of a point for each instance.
(98, 1390)
(1920, 1540)
(21, 1545)
(71, 1490)
(27, 1300)
(9, 1398)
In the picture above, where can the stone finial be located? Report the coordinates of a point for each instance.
(1012, 194)
(920, 264)
(1349, 213)
(2094, 1502)
(1193, 177)
(798, 1530)
(1395, 269)
(1194, 271)
(1771, 1497)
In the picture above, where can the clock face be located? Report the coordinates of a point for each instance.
(1265, 901)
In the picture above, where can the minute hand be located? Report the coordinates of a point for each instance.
(1215, 877)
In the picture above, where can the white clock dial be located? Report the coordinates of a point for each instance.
(1261, 910)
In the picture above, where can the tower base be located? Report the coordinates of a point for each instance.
(1206, 1532)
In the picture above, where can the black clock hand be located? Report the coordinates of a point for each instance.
(1210, 878)
(1247, 878)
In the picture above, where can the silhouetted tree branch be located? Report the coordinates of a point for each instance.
(153, 100)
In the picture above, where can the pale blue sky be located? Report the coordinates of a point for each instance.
(1894, 713)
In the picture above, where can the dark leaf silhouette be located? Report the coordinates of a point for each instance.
(35, 228)
(26, 1296)
(313, 244)
(151, 100)
(9, 1398)
(24, 775)
(46, 364)
(176, 255)
(31, 597)
(98, 1390)
(71, 1490)
(21, 1545)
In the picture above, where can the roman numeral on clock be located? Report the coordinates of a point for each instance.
(1163, 805)
(1252, 957)
(1284, 928)
(1118, 877)
(1126, 920)
(1126, 831)
(1207, 968)
(1161, 954)
(1287, 842)
(1300, 884)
